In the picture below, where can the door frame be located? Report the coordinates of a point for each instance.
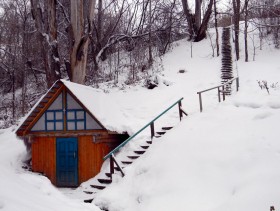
(76, 182)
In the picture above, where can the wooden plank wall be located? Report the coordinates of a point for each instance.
(44, 156)
(90, 157)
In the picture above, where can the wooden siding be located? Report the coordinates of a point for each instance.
(90, 157)
(90, 154)
(44, 157)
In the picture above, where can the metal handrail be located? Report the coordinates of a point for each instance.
(215, 87)
(219, 91)
(143, 128)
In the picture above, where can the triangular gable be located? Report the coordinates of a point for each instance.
(108, 111)
(59, 110)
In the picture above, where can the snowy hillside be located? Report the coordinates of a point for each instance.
(226, 158)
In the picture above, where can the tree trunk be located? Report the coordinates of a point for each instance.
(53, 55)
(150, 60)
(197, 14)
(197, 29)
(80, 38)
(246, 30)
(189, 17)
(47, 31)
(216, 27)
(201, 34)
(236, 18)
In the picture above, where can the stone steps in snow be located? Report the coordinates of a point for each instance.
(126, 162)
(139, 152)
(105, 181)
(108, 175)
(166, 128)
(88, 200)
(133, 157)
(144, 147)
(99, 187)
(88, 192)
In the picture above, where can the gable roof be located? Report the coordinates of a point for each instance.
(98, 104)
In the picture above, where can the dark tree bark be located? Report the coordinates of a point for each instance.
(246, 30)
(236, 19)
(216, 28)
(150, 59)
(44, 14)
(197, 29)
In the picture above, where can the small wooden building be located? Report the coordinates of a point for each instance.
(68, 135)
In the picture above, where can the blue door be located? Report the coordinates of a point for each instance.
(67, 162)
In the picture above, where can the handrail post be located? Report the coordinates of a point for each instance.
(180, 111)
(111, 165)
(219, 95)
(237, 84)
(152, 130)
(200, 101)
(224, 94)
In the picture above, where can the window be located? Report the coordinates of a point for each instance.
(54, 120)
(76, 119)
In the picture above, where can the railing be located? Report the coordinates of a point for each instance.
(219, 91)
(151, 124)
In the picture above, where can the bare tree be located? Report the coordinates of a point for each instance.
(216, 27)
(197, 28)
(44, 14)
(82, 13)
(246, 29)
(236, 19)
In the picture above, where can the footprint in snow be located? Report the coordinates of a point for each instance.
(262, 115)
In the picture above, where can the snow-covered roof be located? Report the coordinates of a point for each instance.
(100, 105)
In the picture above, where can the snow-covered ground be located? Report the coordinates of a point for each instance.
(226, 158)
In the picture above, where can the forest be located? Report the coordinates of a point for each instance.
(119, 43)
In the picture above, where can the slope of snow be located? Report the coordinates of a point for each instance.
(225, 158)
(23, 190)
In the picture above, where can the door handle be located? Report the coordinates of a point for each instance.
(74, 154)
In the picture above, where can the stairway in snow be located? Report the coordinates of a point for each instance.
(106, 180)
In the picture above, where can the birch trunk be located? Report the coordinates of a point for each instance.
(80, 38)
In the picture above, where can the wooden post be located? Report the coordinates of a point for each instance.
(237, 84)
(118, 166)
(180, 111)
(219, 95)
(152, 130)
(224, 94)
(200, 101)
(111, 165)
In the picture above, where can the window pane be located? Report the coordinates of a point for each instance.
(80, 125)
(71, 115)
(58, 115)
(71, 125)
(50, 125)
(59, 125)
(80, 114)
(50, 116)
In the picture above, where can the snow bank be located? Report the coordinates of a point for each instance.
(27, 191)
(226, 158)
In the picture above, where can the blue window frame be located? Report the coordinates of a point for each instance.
(54, 120)
(76, 119)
